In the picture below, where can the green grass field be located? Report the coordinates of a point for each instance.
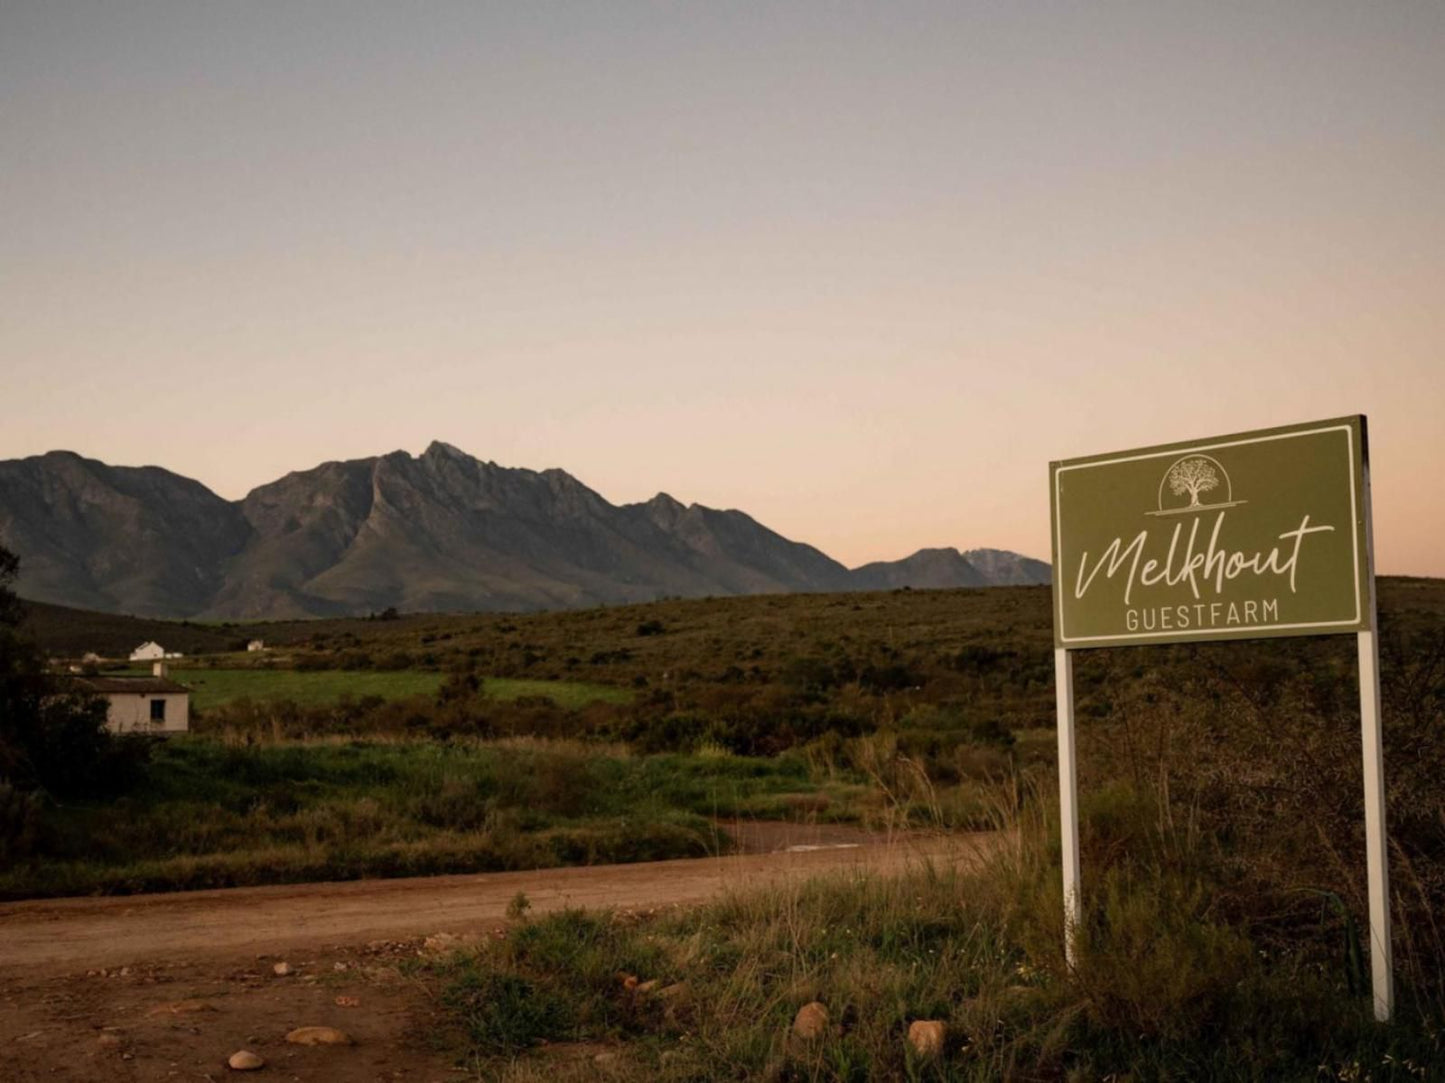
(216, 687)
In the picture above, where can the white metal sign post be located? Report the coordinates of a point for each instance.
(1382, 970)
(1068, 798)
(1247, 536)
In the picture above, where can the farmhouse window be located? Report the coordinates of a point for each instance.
(158, 710)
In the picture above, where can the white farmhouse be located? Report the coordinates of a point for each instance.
(154, 704)
(256, 645)
(150, 651)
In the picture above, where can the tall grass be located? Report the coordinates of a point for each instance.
(219, 813)
(1166, 987)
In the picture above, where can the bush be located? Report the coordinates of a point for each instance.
(52, 737)
(504, 1013)
(20, 815)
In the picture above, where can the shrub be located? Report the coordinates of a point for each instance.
(504, 1013)
(53, 737)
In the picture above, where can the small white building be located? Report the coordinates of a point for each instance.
(256, 645)
(150, 651)
(154, 704)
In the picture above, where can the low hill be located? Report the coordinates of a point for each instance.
(67, 632)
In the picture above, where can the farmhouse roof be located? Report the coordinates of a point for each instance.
(139, 685)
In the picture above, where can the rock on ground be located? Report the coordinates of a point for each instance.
(927, 1036)
(811, 1022)
(243, 1060)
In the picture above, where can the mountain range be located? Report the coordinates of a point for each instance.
(441, 531)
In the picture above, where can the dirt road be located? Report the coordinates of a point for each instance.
(71, 934)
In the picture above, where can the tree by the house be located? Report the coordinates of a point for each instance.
(1192, 476)
(52, 737)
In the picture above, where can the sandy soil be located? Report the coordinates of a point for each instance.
(89, 987)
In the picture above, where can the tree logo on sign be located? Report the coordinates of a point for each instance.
(1192, 477)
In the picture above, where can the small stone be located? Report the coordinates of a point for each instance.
(281, 969)
(927, 1036)
(243, 1060)
(108, 1041)
(608, 1060)
(319, 1036)
(348, 1002)
(811, 1022)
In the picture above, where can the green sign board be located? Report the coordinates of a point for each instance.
(1235, 537)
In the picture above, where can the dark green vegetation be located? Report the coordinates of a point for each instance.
(215, 687)
(217, 815)
(53, 744)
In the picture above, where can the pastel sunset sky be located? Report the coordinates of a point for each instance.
(859, 270)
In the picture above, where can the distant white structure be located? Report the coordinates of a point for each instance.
(256, 645)
(150, 651)
(154, 704)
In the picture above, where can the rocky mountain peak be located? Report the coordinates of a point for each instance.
(441, 449)
(666, 502)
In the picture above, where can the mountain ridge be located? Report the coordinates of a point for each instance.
(439, 531)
